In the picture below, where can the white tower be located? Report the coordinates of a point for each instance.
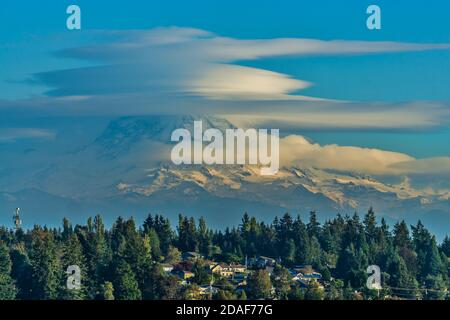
(16, 219)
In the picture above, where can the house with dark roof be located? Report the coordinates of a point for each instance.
(263, 262)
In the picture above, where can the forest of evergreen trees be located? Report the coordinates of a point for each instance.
(125, 261)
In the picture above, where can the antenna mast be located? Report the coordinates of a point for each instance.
(16, 219)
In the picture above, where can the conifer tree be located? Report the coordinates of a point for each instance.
(21, 271)
(445, 247)
(281, 280)
(124, 281)
(259, 285)
(72, 255)
(8, 290)
(46, 268)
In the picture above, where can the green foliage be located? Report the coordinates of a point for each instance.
(296, 293)
(72, 254)
(21, 271)
(97, 254)
(163, 229)
(173, 255)
(401, 235)
(158, 286)
(107, 291)
(47, 273)
(8, 290)
(5, 260)
(228, 295)
(351, 266)
(335, 290)
(188, 239)
(281, 280)
(201, 277)
(124, 282)
(259, 285)
(242, 295)
(314, 291)
(437, 287)
(123, 262)
(445, 247)
(401, 280)
(155, 244)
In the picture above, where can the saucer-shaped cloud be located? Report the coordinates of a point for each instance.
(297, 150)
(198, 62)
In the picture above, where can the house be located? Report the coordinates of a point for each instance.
(223, 270)
(217, 268)
(238, 268)
(263, 262)
(303, 283)
(207, 290)
(304, 275)
(228, 270)
(190, 255)
(167, 267)
(306, 272)
(209, 265)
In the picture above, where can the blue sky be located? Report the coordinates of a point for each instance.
(31, 33)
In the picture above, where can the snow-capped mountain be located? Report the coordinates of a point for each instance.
(292, 188)
(125, 170)
(123, 134)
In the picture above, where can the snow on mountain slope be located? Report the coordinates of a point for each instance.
(290, 188)
(122, 134)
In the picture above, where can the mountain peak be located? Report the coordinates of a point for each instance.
(157, 128)
(123, 133)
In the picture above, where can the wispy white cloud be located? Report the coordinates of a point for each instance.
(201, 63)
(12, 134)
(202, 45)
(297, 150)
(244, 83)
(185, 70)
(417, 115)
